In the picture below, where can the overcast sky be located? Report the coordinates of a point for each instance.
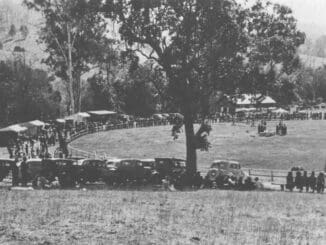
(311, 14)
(307, 11)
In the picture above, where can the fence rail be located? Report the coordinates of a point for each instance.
(74, 152)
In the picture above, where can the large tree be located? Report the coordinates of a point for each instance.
(26, 94)
(72, 32)
(194, 42)
(200, 45)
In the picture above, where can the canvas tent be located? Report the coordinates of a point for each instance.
(102, 115)
(280, 111)
(78, 117)
(250, 100)
(33, 127)
(11, 132)
(60, 120)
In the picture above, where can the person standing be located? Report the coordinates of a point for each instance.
(312, 181)
(289, 181)
(24, 171)
(321, 183)
(305, 181)
(298, 181)
(15, 172)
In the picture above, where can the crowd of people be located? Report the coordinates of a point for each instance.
(309, 183)
(281, 128)
(32, 146)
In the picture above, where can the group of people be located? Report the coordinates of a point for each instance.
(30, 147)
(281, 129)
(37, 146)
(312, 182)
(262, 126)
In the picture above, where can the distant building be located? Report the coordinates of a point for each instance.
(254, 101)
(321, 107)
(225, 104)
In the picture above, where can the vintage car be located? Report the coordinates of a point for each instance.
(223, 172)
(171, 167)
(5, 167)
(90, 170)
(109, 173)
(122, 171)
(64, 169)
(150, 164)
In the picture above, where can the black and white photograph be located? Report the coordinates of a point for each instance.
(162, 122)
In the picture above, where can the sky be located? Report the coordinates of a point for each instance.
(311, 15)
(307, 11)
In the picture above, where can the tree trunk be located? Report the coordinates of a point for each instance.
(70, 77)
(78, 92)
(190, 143)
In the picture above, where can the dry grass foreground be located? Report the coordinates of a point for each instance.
(138, 217)
(303, 146)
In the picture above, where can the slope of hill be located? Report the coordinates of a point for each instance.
(312, 61)
(13, 13)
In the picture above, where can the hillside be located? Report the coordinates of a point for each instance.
(312, 61)
(13, 13)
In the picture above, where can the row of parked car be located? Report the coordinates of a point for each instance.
(111, 171)
(73, 171)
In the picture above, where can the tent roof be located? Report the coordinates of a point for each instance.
(37, 123)
(14, 128)
(268, 100)
(61, 120)
(249, 99)
(102, 113)
(280, 110)
(77, 115)
(83, 114)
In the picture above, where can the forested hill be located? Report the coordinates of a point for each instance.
(19, 29)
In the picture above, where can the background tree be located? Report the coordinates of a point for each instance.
(128, 91)
(71, 33)
(274, 42)
(26, 94)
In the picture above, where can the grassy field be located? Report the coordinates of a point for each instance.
(139, 217)
(303, 146)
(103, 216)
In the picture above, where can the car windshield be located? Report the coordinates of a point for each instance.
(62, 163)
(220, 165)
(234, 166)
(180, 163)
(94, 163)
(4, 163)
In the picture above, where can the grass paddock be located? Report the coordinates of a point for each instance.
(157, 217)
(303, 146)
(138, 217)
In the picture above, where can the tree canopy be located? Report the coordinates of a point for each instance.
(72, 32)
(207, 46)
(26, 94)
